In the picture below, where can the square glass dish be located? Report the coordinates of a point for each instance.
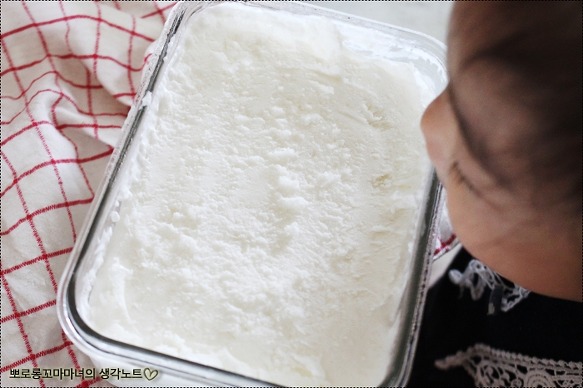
(159, 241)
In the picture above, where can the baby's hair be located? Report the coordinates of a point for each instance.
(535, 51)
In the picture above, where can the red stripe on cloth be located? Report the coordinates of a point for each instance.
(47, 256)
(74, 17)
(130, 51)
(119, 95)
(95, 63)
(60, 127)
(88, 383)
(159, 11)
(93, 57)
(95, 122)
(30, 216)
(31, 356)
(66, 97)
(34, 169)
(19, 191)
(42, 137)
(55, 106)
(25, 208)
(34, 356)
(70, 351)
(29, 311)
(443, 245)
(55, 161)
(59, 76)
(21, 67)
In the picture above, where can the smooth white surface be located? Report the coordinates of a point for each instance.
(282, 217)
(429, 17)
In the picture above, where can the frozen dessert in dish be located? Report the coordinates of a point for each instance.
(266, 222)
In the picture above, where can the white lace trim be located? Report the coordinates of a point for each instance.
(477, 277)
(496, 368)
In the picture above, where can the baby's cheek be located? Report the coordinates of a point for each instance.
(478, 227)
(466, 224)
(439, 150)
(438, 130)
(438, 157)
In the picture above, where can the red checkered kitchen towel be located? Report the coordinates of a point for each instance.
(70, 70)
(69, 73)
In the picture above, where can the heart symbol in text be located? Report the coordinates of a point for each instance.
(150, 374)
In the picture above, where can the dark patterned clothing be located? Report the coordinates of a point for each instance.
(479, 329)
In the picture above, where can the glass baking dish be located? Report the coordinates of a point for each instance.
(158, 369)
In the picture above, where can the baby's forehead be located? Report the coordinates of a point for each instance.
(475, 27)
(492, 125)
(515, 86)
(483, 89)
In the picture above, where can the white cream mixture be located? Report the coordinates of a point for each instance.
(267, 224)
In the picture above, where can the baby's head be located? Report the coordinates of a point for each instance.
(505, 138)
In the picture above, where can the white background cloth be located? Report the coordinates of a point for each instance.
(70, 70)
